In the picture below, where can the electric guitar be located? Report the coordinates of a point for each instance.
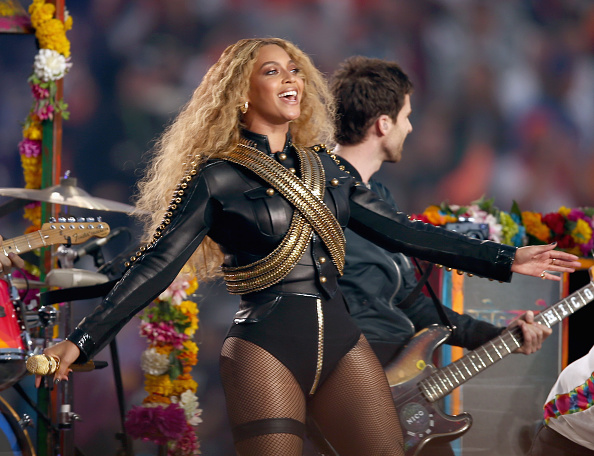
(61, 232)
(416, 385)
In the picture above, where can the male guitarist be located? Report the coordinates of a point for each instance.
(373, 106)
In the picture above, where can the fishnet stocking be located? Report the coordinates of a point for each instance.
(258, 386)
(354, 407)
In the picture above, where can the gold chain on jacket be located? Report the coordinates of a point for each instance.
(306, 194)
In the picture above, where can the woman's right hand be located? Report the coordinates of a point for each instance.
(67, 352)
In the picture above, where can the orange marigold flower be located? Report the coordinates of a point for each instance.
(532, 221)
(156, 399)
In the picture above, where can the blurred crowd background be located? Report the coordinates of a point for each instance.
(503, 107)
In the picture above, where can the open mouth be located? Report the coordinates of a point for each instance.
(290, 95)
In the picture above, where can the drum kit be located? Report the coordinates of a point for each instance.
(25, 331)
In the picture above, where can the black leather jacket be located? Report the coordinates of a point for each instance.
(233, 207)
(376, 281)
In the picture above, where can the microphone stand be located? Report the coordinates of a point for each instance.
(66, 416)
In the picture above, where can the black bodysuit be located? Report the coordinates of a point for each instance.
(236, 209)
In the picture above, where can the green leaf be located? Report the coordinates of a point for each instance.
(175, 369)
(515, 209)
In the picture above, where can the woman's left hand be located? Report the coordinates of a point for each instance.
(539, 260)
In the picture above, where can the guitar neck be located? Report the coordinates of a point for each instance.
(25, 243)
(61, 232)
(443, 381)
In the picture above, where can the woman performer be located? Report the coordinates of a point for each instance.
(232, 167)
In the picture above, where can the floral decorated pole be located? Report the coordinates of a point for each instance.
(41, 146)
(169, 414)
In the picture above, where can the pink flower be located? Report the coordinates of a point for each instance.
(163, 333)
(576, 214)
(176, 291)
(38, 92)
(44, 111)
(186, 445)
(588, 247)
(156, 424)
(30, 148)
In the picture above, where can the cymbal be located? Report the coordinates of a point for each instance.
(67, 194)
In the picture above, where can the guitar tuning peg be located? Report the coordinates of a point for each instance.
(80, 219)
(52, 219)
(61, 219)
(71, 220)
(90, 219)
(99, 219)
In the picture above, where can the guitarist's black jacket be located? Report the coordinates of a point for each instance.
(376, 281)
(232, 206)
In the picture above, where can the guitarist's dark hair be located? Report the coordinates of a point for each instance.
(364, 89)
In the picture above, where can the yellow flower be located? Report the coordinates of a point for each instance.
(33, 132)
(182, 384)
(51, 35)
(564, 211)
(189, 356)
(41, 12)
(31, 171)
(193, 286)
(582, 232)
(68, 23)
(190, 309)
(7, 9)
(534, 226)
(191, 346)
(164, 349)
(34, 216)
(160, 384)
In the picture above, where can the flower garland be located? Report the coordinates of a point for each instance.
(572, 229)
(169, 413)
(51, 63)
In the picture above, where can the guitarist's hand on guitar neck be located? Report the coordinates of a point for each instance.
(7, 262)
(533, 334)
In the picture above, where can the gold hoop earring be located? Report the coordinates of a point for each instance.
(244, 107)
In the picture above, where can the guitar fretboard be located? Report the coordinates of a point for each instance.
(72, 232)
(443, 381)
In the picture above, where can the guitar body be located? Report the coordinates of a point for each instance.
(421, 419)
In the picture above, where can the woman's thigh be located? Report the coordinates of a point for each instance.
(265, 403)
(354, 409)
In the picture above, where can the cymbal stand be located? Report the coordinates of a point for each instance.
(66, 416)
(47, 432)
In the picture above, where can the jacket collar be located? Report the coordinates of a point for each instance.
(350, 168)
(261, 141)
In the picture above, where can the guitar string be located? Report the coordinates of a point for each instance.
(512, 334)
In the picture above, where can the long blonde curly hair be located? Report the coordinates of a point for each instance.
(208, 126)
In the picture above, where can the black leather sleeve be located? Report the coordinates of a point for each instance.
(151, 274)
(374, 219)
